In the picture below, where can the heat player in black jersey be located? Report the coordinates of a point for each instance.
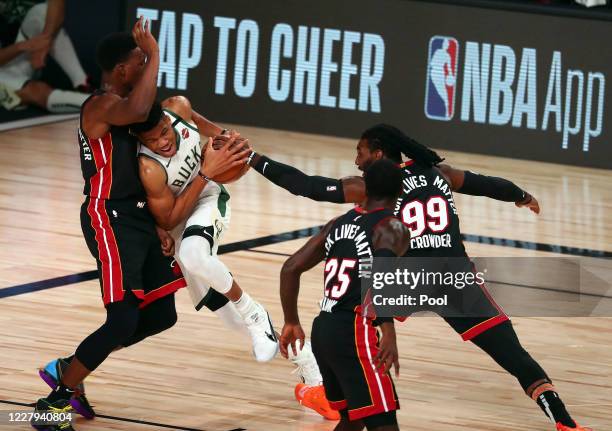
(137, 274)
(353, 359)
(427, 208)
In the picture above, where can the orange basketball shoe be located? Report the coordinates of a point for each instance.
(561, 427)
(314, 398)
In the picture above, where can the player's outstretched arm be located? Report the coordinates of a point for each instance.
(501, 189)
(322, 189)
(301, 261)
(112, 110)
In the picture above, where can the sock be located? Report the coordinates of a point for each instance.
(245, 305)
(68, 359)
(61, 101)
(231, 318)
(63, 52)
(553, 407)
(61, 392)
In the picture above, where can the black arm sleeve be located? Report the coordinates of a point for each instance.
(492, 187)
(297, 182)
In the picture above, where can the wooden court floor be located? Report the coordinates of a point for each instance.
(200, 376)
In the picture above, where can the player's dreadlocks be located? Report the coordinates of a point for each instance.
(393, 143)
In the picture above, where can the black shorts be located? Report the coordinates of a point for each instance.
(121, 236)
(345, 344)
(471, 310)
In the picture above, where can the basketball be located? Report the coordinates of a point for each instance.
(232, 174)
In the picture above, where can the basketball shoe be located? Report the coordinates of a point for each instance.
(310, 393)
(263, 337)
(561, 427)
(60, 407)
(52, 375)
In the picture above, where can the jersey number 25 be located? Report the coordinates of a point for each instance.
(334, 267)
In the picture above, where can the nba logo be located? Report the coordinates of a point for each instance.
(441, 78)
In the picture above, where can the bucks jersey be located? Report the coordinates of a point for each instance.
(183, 167)
(426, 206)
(109, 164)
(349, 257)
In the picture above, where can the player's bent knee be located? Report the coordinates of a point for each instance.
(193, 253)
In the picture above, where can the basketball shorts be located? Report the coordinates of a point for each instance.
(210, 219)
(121, 236)
(345, 344)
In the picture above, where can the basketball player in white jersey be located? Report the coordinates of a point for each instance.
(195, 209)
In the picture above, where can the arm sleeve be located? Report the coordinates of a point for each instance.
(297, 182)
(492, 187)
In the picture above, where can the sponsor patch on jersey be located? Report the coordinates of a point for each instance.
(185, 133)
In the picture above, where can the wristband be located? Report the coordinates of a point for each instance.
(248, 162)
(204, 177)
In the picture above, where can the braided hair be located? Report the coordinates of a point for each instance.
(393, 143)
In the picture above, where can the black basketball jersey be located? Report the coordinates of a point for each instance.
(426, 206)
(349, 255)
(110, 163)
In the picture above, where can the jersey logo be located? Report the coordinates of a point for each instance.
(331, 188)
(263, 170)
(185, 133)
(141, 204)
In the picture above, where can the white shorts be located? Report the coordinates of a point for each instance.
(209, 211)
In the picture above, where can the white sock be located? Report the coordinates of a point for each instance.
(63, 52)
(231, 318)
(245, 305)
(61, 101)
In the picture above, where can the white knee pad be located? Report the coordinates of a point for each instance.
(196, 259)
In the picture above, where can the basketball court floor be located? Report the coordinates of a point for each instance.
(200, 376)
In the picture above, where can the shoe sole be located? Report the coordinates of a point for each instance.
(74, 402)
(48, 378)
(80, 409)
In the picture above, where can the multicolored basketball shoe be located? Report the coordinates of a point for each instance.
(52, 375)
(561, 427)
(59, 408)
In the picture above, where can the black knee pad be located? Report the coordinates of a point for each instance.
(213, 300)
(207, 232)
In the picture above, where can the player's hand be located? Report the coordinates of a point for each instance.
(143, 37)
(35, 43)
(388, 355)
(220, 140)
(530, 202)
(167, 242)
(290, 334)
(215, 162)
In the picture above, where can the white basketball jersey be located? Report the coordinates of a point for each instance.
(183, 167)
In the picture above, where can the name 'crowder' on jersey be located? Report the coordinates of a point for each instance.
(426, 206)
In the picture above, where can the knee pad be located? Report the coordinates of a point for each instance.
(197, 260)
